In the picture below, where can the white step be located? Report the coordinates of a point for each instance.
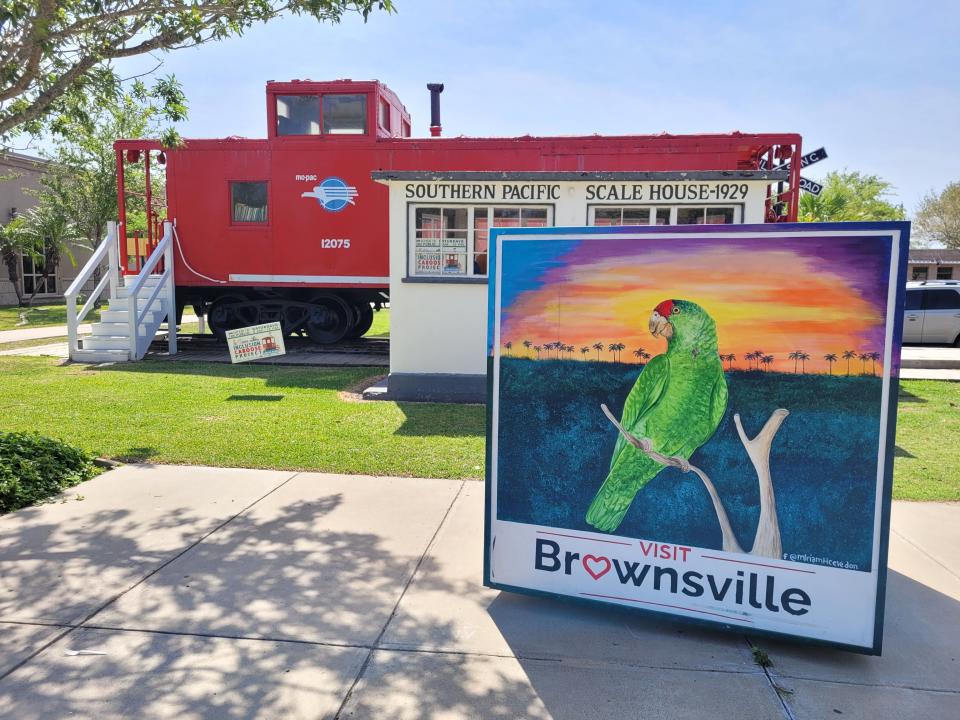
(115, 329)
(99, 356)
(122, 304)
(106, 342)
(145, 292)
(120, 316)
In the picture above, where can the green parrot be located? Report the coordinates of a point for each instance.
(677, 402)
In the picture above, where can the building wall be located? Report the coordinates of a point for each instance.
(14, 197)
(934, 271)
(438, 326)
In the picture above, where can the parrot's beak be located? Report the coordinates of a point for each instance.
(660, 326)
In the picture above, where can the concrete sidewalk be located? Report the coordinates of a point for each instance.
(208, 593)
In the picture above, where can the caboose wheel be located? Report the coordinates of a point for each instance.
(364, 315)
(223, 316)
(329, 320)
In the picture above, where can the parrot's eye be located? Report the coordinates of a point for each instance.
(676, 310)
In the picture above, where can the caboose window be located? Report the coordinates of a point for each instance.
(248, 201)
(453, 241)
(298, 114)
(344, 114)
(385, 115)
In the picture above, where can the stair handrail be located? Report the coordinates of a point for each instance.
(135, 316)
(109, 249)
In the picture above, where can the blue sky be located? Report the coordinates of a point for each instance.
(875, 82)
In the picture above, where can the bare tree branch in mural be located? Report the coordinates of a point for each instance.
(767, 538)
(730, 543)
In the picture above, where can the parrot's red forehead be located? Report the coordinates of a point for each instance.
(665, 308)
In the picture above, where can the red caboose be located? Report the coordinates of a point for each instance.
(293, 229)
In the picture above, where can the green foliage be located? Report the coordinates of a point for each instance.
(760, 656)
(850, 196)
(34, 468)
(56, 57)
(938, 217)
(82, 176)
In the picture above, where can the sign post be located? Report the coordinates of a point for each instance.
(698, 434)
(255, 342)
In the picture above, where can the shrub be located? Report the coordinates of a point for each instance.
(34, 468)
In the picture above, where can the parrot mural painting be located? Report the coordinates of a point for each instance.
(677, 403)
(697, 420)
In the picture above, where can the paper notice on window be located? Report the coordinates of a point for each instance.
(255, 342)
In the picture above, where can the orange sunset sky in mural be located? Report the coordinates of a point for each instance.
(773, 299)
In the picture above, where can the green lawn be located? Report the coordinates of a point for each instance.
(18, 318)
(294, 418)
(381, 324)
(928, 441)
(239, 416)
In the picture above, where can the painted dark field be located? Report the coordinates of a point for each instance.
(555, 446)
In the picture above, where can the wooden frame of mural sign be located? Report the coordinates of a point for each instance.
(772, 589)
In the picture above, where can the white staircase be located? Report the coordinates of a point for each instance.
(136, 308)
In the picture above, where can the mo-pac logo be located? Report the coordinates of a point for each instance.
(333, 194)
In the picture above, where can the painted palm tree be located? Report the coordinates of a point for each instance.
(758, 354)
(874, 356)
(848, 355)
(508, 344)
(638, 353)
(831, 358)
(749, 358)
(598, 347)
(612, 347)
(863, 362)
(620, 348)
(803, 362)
(795, 356)
(767, 361)
(645, 356)
(527, 344)
(584, 350)
(537, 349)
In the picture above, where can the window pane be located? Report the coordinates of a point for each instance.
(506, 217)
(944, 273)
(385, 114)
(405, 129)
(943, 300)
(533, 217)
(636, 216)
(298, 114)
(28, 284)
(344, 114)
(606, 216)
(249, 202)
(719, 216)
(662, 216)
(454, 218)
(690, 216)
(913, 300)
(919, 273)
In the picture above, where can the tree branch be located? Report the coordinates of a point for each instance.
(645, 446)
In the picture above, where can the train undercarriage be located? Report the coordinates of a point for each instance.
(325, 316)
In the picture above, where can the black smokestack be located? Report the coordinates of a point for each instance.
(435, 90)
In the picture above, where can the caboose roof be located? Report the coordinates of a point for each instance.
(563, 176)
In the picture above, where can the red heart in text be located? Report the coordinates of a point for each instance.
(596, 566)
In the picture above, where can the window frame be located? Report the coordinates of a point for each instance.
(915, 272)
(276, 111)
(247, 224)
(738, 211)
(947, 270)
(37, 276)
(410, 274)
(366, 114)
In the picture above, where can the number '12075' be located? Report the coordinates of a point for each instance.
(335, 243)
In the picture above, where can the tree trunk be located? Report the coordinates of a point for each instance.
(12, 261)
(767, 540)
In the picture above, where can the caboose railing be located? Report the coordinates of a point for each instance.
(136, 315)
(107, 249)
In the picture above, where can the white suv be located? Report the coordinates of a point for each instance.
(932, 312)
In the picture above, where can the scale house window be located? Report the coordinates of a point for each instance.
(452, 242)
(675, 215)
